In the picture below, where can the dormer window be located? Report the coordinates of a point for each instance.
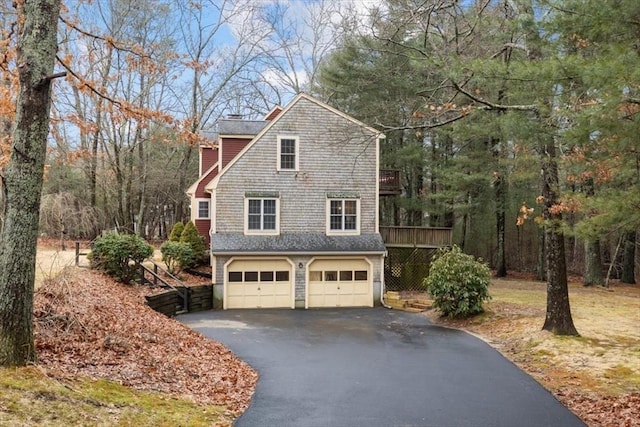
(288, 153)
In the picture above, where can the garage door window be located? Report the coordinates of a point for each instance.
(346, 275)
(361, 275)
(330, 276)
(334, 276)
(262, 276)
(250, 276)
(282, 276)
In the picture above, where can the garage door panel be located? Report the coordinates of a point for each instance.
(361, 288)
(345, 300)
(282, 301)
(346, 288)
(267, 288)
(323, 300)
(236, 290)
(258, 284)
(243, 301)
(283, 289)
(339, 283)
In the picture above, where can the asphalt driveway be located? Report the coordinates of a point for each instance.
(375, 367)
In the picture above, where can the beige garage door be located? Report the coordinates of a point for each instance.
(258, 284)
(340, 283)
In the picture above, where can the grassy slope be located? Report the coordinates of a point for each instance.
(29, 398)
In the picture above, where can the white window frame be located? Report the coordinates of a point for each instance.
(296, 140)
(274, 232)
(197, 208)
(342, 232)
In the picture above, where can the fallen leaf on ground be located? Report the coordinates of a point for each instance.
(87, 324)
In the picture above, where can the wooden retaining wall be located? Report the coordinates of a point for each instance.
(170, 302)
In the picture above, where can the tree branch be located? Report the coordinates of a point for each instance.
(80, 79)
(493, 106)
(48, 78)
(427, 126)
(106, 40)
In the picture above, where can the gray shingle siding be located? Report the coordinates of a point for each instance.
(335, 155)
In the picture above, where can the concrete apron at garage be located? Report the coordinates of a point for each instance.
(375, 367)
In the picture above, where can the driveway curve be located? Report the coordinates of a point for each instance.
(375, 367)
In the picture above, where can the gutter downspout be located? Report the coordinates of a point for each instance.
(384, 304)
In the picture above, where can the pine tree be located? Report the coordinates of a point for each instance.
(199, 247)
(176, 231)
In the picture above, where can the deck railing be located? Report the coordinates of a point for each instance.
(390, 182)
(418, 237)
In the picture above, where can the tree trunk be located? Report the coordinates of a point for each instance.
(182, 182)
(23, 179)
(142, 188)
(501, 196)
(541, 268)
(463, 234)
(629, 258)
(558, 319)
(593, 275)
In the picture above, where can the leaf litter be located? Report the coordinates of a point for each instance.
(86, 324)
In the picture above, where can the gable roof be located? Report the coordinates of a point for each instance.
(275, 111)
(192, 189)
(213, 183)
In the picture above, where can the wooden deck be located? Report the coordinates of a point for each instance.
(390, 184)
(416, 237)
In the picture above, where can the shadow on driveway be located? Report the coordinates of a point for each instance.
(375, 367)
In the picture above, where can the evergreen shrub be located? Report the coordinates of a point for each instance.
(458, 283)
(177, 256)
(176, 232)
(198, 244)
(113, 252)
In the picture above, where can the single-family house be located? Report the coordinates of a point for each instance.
(289, 205)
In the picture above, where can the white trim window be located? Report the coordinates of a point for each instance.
(203, 209)
(343, 216)
(262, 215)
(288, 148)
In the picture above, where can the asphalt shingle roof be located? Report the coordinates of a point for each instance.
(235, 243)
(240, 127)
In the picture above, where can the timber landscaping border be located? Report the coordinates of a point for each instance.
(170, 302)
